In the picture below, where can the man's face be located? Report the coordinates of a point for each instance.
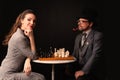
(84, 24)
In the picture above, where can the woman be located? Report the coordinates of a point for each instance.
(21, 50)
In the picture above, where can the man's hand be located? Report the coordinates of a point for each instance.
(79, 73)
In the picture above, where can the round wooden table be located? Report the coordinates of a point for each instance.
(53, 62)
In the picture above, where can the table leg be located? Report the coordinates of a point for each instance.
(53, 71)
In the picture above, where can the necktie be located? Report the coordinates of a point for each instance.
(83, 38)
(82, 43)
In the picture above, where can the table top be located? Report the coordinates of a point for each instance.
(54, 61)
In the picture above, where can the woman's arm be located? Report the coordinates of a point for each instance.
(27, 65)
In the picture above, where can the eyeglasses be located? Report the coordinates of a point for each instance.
(82, 21)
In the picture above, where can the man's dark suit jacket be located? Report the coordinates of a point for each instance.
(92, 63)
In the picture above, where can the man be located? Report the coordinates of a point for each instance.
(88, 51)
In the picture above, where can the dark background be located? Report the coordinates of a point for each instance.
(55, 21)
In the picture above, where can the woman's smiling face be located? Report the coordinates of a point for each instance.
(28, 23)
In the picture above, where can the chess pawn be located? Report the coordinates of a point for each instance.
(62, 54)
(55, 54)
(55, 49)
(59, 53)
(50, 50)
(67, 53)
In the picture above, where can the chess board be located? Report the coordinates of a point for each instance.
(58, 58)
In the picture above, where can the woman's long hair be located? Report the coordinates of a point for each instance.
(16, 25)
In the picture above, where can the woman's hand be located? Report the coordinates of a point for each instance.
(28, 33)
(27, 67)
(79, 73)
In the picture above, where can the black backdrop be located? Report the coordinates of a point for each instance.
(56, 19)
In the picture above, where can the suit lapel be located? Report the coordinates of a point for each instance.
(86, 44)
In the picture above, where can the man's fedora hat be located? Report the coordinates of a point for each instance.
(89, 14)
